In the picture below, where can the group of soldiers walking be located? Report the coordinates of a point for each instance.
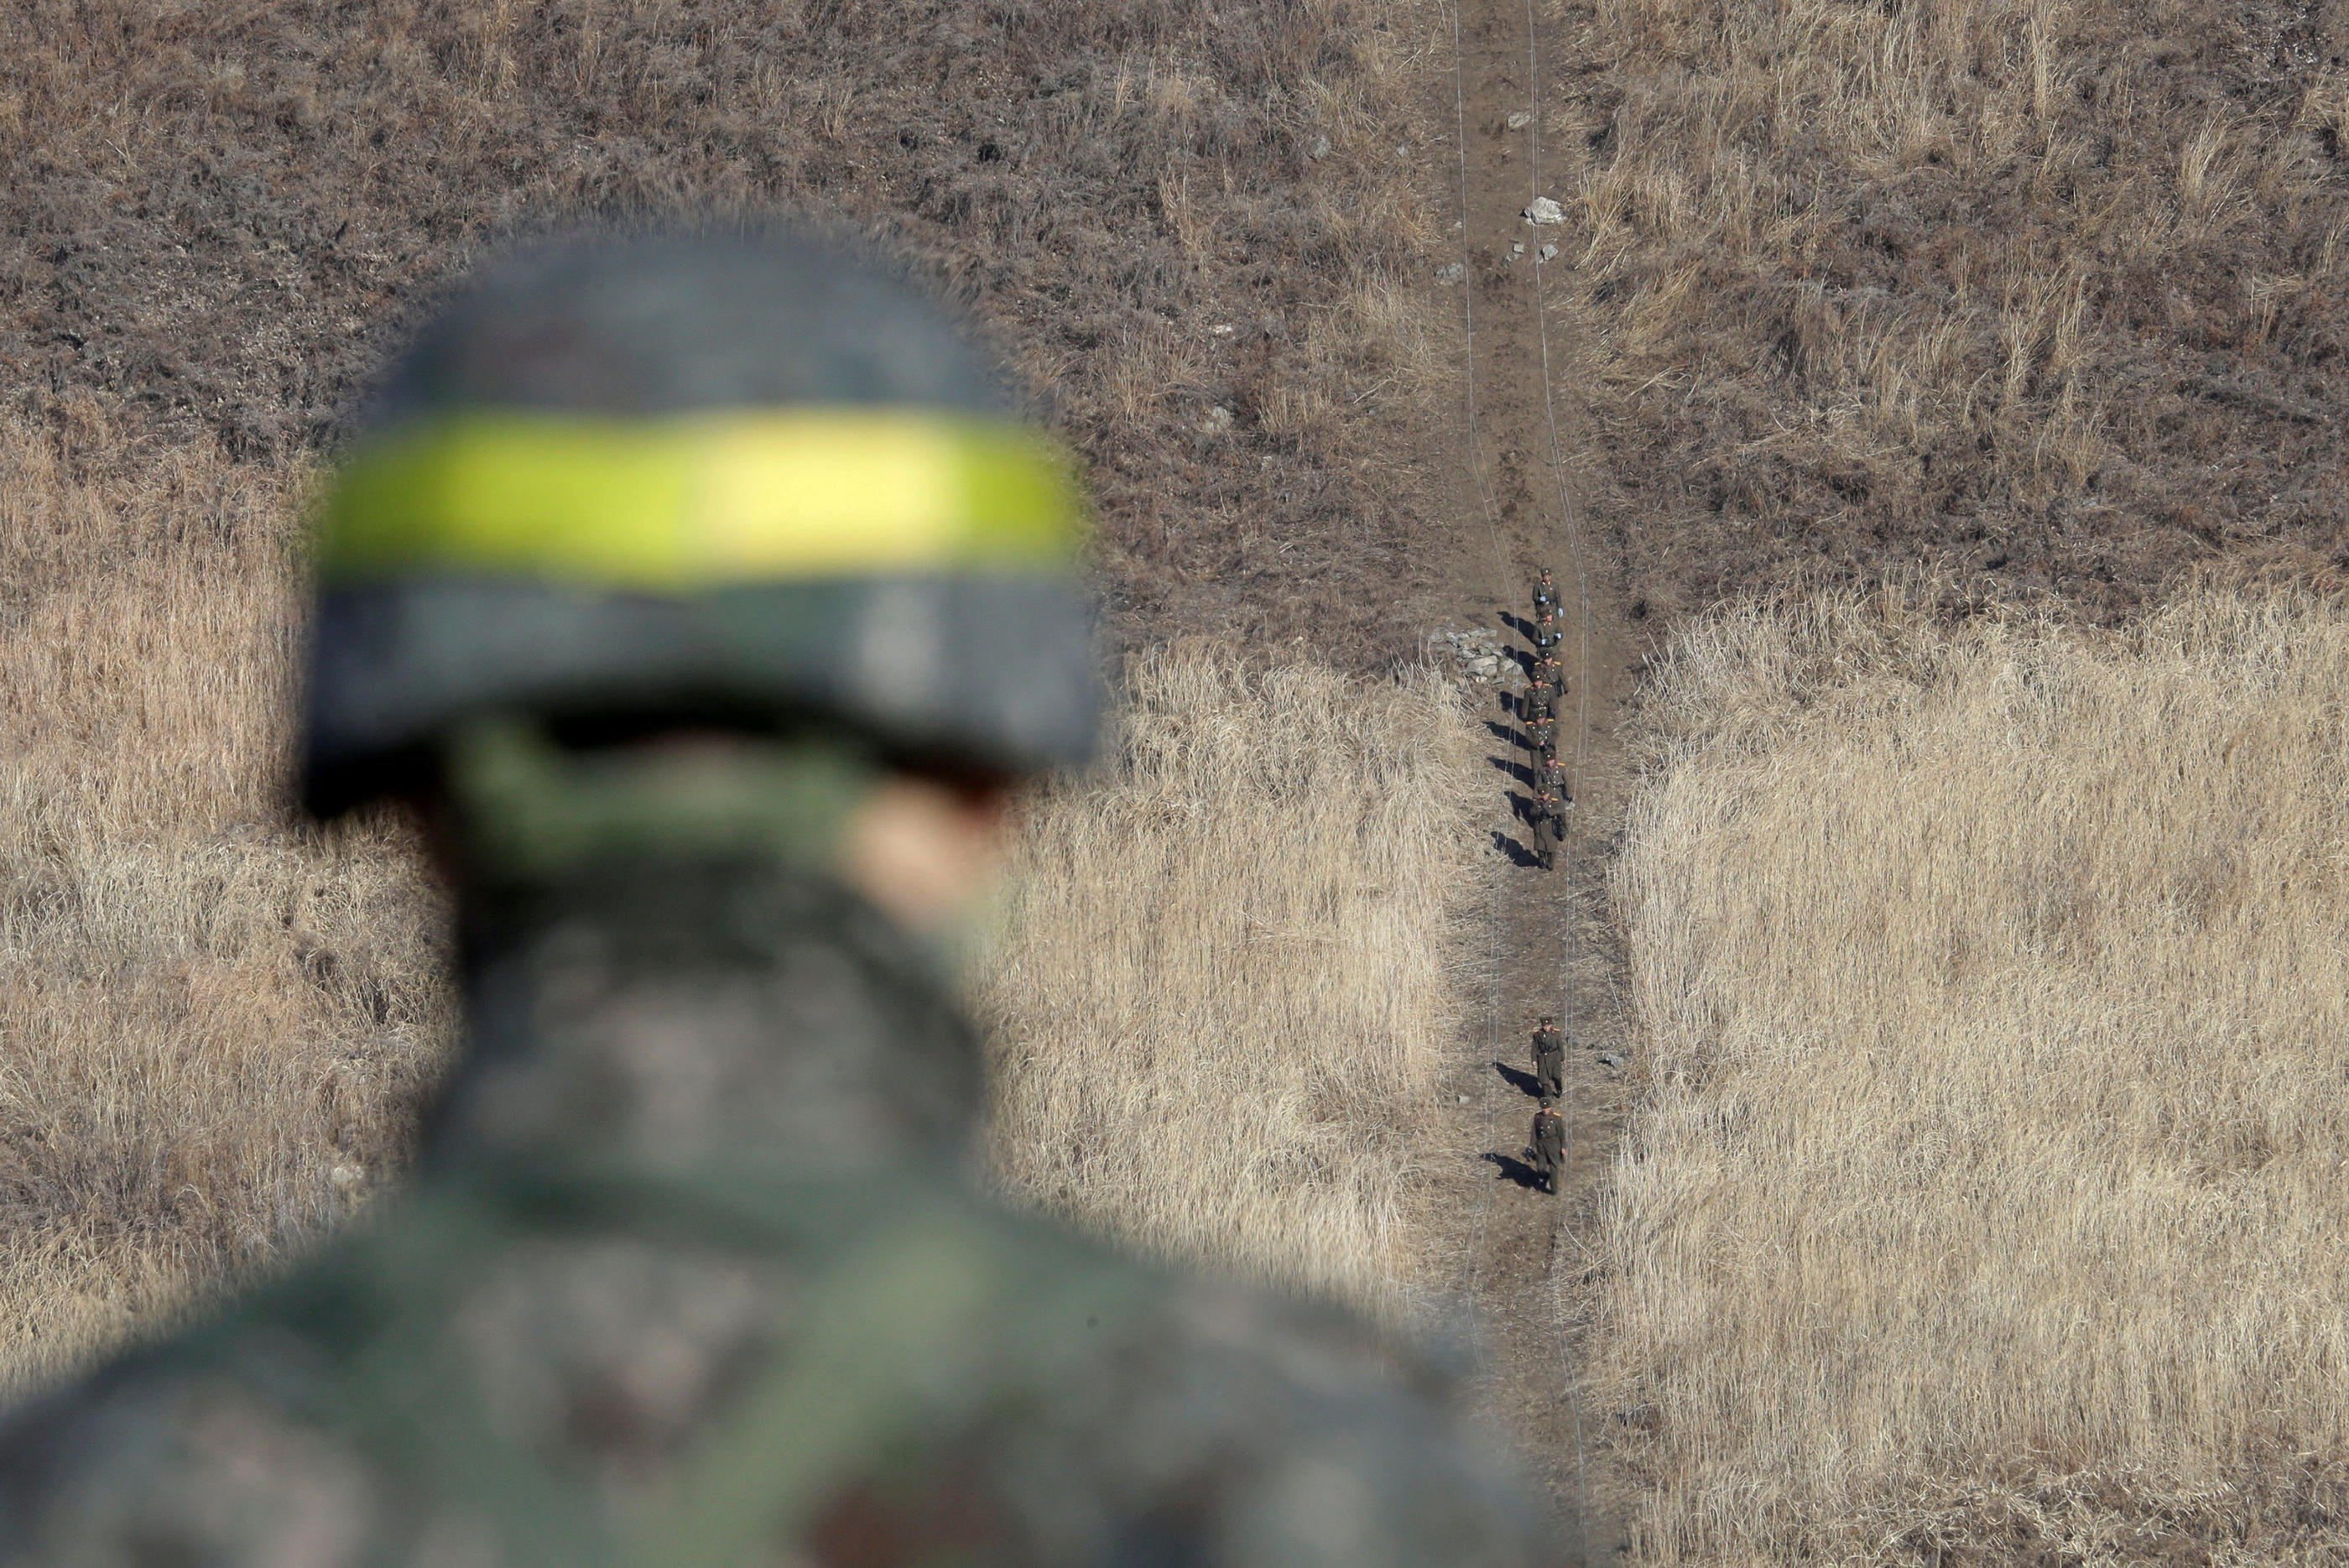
(1549, 1081)
(1538, 716)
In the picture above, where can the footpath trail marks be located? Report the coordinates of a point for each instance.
(1520, 1255)
(1228, 976)
(1990, 1196)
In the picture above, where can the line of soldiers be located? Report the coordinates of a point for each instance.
(1549, 1126)
(1537, 713)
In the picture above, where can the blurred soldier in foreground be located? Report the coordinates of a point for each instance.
(709, 599)
(1549, 1060)
(1549, 1143)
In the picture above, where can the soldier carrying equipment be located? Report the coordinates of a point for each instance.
(1549, 1061)
(1545, 597)
(708, 597)
(1549, 1143)
(1547, 632)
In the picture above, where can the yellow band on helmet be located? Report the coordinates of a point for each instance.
(699, 501)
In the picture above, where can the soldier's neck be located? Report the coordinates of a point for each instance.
(674, 1012)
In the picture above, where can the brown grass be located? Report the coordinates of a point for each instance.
(1987, 1202)
(213, 1028)
(2039, 295)
(1225, 985)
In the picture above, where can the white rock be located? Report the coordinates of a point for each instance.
(1609, 1059)
(1548, 253)
(1518, 249)
(1544, 211)
(1452, 274)
(1221, 330)
(1520, 119)
(1320, 148)
(1219, 420)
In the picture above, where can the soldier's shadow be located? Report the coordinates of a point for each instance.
(1521, 806)
(1519, 856)
(1509, 734)
(1517, 1171)
(1518, 772)
(1522, 1082)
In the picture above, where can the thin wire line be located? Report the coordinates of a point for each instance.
(1582, 719)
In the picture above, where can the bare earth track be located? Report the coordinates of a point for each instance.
(1521, 1257)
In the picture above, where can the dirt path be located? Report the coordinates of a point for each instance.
(1520, 1255)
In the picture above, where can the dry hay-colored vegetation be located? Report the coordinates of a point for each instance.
(1986, 1203)
(1226, 983)
(213, 1031)
(220, 215)
(1222, 982)
(2038, 295)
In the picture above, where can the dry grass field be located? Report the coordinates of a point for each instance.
(1987, 1203)
(214, 1030)
(2039, 296)
(1223, 980)
(1226, 981)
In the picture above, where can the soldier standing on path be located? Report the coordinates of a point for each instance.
(709, 598)
(1549, 1060)
(1549, 1143)
(1549, 776)
(1545, 597)
(1550, 829)
(1547, 632)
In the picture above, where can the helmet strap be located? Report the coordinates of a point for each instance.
(529, 808)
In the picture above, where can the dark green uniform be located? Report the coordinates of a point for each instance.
(1545, 597)
(1548, 829)
(1549, 1147)
(1549, 1063)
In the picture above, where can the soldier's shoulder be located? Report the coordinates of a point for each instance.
(1301, 1433)
(164, 1447)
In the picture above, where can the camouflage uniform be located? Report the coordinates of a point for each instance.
(694, 1271)
(1549, 1145)
(690, 1277)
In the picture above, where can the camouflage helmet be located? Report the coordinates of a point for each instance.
(620, 485)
